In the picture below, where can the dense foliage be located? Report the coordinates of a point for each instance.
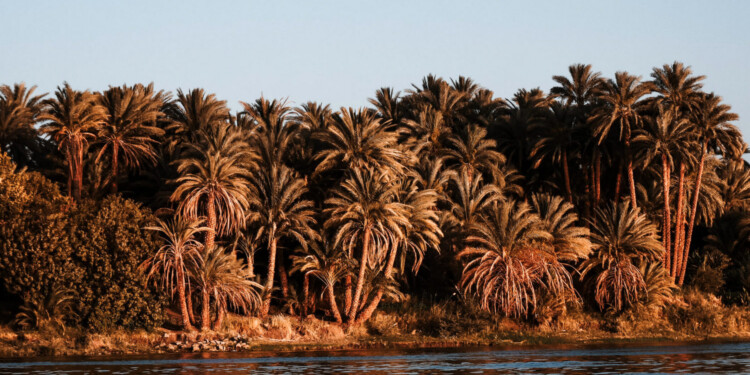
(610, 192)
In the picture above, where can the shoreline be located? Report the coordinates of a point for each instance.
(132, 344)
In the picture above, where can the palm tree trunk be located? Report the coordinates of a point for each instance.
(618, 183)
(678, 232)
(284, 280)
(205, 310)
(693, 212)
(566, 174)
(269, 275)
(666, 221)
(361, 279)
(183, 305)
(305, 295)
(334, 307)
(189, 300)
(631, 179)
(597, 178)
(79, 172)
(115, 151)
(373, 305)
(221, 313)
(347, 294)
(211, 213)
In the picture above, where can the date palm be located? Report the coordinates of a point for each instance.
(526, 112)
(668, 138)
(329, 265)
(358, 139)
(581, 89)
(711, 121)
(623, 239)
(365, 211)
(278, 209)
(428, 133)
(222, 277)
(197, 110)
(420, 235)
(72, 119)
(19, 111)
(557, 141)
(129, 132)
(469, 199)
(216, 186)
(512, 260)
(472, 153)
(569, 240)
(678, 88)
(172, 263)
(622, 108)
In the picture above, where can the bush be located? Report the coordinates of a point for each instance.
(93, 249)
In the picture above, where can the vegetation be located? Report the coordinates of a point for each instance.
(608, 196)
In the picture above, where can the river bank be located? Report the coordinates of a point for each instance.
(691, 319)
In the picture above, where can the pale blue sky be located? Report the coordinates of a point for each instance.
(340, 52)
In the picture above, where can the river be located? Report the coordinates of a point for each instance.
(702, 358)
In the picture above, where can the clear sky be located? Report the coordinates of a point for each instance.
(340, 52)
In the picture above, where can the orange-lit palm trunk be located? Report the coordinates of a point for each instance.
(631, 178)
(679, 223)
(361, 278)
(270, 272)
(211, 213)
(183, 304)
(693, 211)
(666, 222)
(205, 309)
(373, 305)
(334, 306)
(115, 152)
(566, 173)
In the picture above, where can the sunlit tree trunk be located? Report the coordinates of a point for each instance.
(211, 213)
(566, 172)
(347, 294)
(221, 313)
(631, 178)
(269, 275)
(115, 156)
(205, 310)
(618, 183)
(666, 221)
(332, 301)
(373, 305)
(679, 225)
(361, 277)
(305, 295)
(183, 305)
(693, 212)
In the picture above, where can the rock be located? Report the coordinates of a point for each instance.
(171, 347)
(197, 347)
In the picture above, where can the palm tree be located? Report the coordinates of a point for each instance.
(623, 103)
(365, 211)
(72, 119)
(225, 278)
(711, 124)
(421, 235)
(527, 111)
(468, 201)
(358, 139)
(172, 263)
(19, 110)
(570, 242)
(556, 142)
(511, 260)
(215, 185)
(129, 131)
(678, 89)
(278, 209)
(327, 264)
(669, 138)
(428, 132)
(196, 110)
(623, 239)
(473, 153)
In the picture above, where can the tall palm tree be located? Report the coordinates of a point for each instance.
(428, 132)
(557, 142)
(358, 139)
(365, 211)
(622, 107)
(71, 119)
(712, 126)
(526, 112)
(197, 110)
(19, 112)
(278, 209)
(223, 277)
(623, 239)
(666, 137)
(473, 153)
(216, 186)
(420, 235)
(678, 89)
(172, 263)
(468, 201)
(129, 131)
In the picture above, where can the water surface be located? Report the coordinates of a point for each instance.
(703, 358)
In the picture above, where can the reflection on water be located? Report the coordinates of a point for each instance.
(714, 358)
